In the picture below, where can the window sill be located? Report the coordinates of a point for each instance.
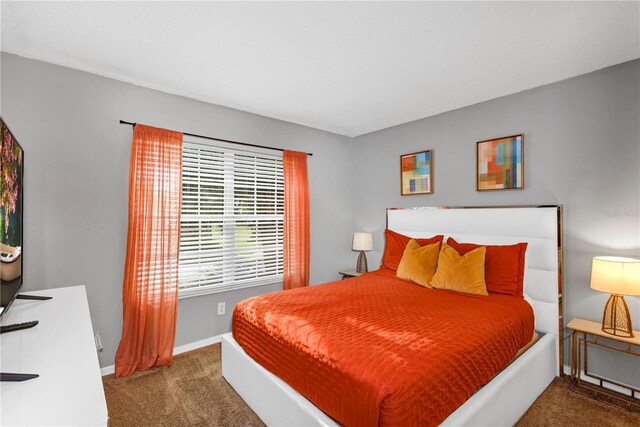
(196, 292)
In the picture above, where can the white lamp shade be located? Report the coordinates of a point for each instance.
(362, 241)
(615, 275)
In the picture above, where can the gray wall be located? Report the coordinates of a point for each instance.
(76, 185)
(581, 150)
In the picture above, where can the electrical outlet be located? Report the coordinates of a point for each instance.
(98, 341)
(222, 308)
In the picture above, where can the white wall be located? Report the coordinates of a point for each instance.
(76, 185)
(581, 150)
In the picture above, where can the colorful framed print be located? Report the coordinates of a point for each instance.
(500, 163)
(416, 173)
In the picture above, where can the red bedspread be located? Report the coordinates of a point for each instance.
(376, 350)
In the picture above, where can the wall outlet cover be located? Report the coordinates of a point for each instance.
(222, 308)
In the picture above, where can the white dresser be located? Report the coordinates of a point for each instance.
(62, 351)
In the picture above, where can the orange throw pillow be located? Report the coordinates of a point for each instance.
(461, 273)
(503, 266)
(418, 264)
(394, 246)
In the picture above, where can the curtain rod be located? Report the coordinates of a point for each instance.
(122, 122)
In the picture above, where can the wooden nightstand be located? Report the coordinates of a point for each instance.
(585, 333)
(348, 273)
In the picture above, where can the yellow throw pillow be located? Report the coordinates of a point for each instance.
(460, 273)
(418, 263)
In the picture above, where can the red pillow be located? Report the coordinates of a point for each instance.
(503, 266)
(395, 243)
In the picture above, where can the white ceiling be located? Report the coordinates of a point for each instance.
(349, 68)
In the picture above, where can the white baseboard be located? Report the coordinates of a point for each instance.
(108, 370)
(197, 344)
(613, 387)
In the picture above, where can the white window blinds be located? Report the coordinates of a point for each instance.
(232, 219)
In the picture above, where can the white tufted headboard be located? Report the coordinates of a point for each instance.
(539, 226)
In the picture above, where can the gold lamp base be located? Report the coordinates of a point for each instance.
(616, 319)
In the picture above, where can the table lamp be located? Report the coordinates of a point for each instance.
(616, 276)
(362, 242)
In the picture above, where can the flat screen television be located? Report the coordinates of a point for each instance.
(11, 243)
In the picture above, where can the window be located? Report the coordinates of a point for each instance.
(232, 219)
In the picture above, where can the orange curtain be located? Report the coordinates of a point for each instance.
(296, 220)
(150, 287)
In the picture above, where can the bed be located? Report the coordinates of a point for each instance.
(378, 390)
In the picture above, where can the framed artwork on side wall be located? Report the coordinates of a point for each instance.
(416, 173)
(500, 163)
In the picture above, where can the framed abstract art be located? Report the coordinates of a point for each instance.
(416, 173)
(500, 163)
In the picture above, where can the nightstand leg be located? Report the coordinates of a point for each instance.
(578, 362)
(573, 355)
(586, 354)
